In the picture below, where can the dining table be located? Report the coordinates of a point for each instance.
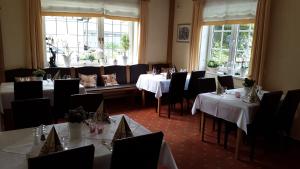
(17, 145)
(157, 84)
(232, 106)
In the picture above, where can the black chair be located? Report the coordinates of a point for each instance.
(90, 102)
(176, 91)
(263, 123)
(158, 67)
(10, 75)
(78, 158)
(136, 71)
(63, 89)
(226, 81)
(31, 112)
(285, 117)
(206, 85)
(141, 152)
(192, 91)
(28, 90)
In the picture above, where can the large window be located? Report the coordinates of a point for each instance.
(229, 48)
(90, 41)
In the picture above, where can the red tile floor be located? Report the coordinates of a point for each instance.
(183, 136)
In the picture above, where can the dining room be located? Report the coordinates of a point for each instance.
(164, 84)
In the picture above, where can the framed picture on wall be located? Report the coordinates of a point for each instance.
(183, 32)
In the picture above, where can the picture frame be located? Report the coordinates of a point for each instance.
(183, 33)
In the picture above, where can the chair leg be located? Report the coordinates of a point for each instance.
(169, 110)
(227, 130)
(219, 130)
(181, 107)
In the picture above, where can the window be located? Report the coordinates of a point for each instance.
(90, 41)
(229, 48)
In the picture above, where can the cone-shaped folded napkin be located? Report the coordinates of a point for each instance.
(220, 89)
(57, 75)
(253, 95)
(100, 115)
(52, 143)
(123, 130)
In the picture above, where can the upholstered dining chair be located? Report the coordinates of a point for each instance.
(286, 113)
(192, 91)
(226, 81)
(263, 123)
(31, 112)
(77, 158)
(140, 152)
(63, 89)
(28, 90)
(176, 91)
(90, 102)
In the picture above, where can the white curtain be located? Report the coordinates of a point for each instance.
(226, 10)
(123, 8)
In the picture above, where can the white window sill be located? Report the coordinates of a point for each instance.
(215, 74)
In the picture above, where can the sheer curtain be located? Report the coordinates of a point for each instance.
(193, 63)
(143, 31)
(124, 9)
(34, 40)
(260, 41)
(226, 10)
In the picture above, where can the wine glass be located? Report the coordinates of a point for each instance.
(154, 71)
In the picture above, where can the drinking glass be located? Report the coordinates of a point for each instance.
(154, 71)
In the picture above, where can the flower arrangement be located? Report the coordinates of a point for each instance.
(39, 73)
(248, 82)
(77, 115)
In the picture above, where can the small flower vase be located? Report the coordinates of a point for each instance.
(115, 61)
(247, 90)
(75, 130)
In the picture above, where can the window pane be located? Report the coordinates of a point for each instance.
(217, 40)
(244, 27)
(226, 40)
(218, 27)
(227, 27)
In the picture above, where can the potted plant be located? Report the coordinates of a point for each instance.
(125, 46)
(248, 84)
(38, 74)
(212, 66)
(76, 117)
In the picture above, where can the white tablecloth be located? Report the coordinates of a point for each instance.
(7, 93)
(16, 144)
(227, 107)
(157, 84)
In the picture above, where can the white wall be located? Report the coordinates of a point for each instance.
(157, 43)
(13, 33)
(183, 15)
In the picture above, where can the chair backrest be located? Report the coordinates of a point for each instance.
(176, 88)
(193, 83)
(288, 109)
(206, 85)
(78, 158)
(141, 152)
(53, 70)
(20, 72)
(268, 106)
(63, 89)
(136, 71)
(120, 72)
(28, 90)
(226, 81)
(31, 112)
(90, 102)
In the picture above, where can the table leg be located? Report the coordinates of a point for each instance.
(143, 97)
(158, 105)
(238, 143)
(202, 125)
